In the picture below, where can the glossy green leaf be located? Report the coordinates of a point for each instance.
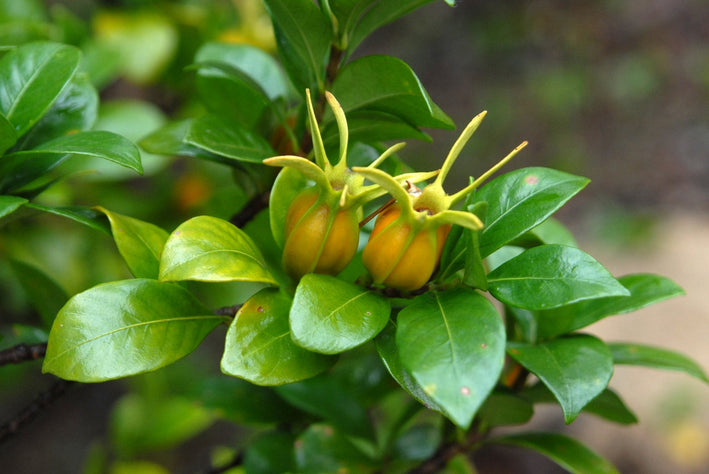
(9, 204)
(75, 110)
(303, 37)
(504, 409)
(575, 368)
(43, 292)
(206, 248)
(387, 84)
(270, 452)
(286, 187)
(139, 243)
(380, 14)
(389, 353)
(521, 200)
(645, 289)
(453, 344)
(321, 448)
(655, 357)
(32, 77)
(566, 452)
(331, 316)
(370, 126)
(8, 136)
(607, 404)
(550, 276)
(125, 328)
(258, 346)
(140, 425)
(132, 119)
(228, 140)
(96, 144)
(327, 398)
(83, 215)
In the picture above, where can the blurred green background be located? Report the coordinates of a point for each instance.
(616, 90)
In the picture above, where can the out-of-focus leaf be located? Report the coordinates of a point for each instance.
(655, 357)
(303, 38)
(140, 425)
(9, 204)
(43, 292)
(32, 77)
(321, 448)
(567, 452)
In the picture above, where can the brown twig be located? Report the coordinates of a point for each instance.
(22, 353)
(255, 205)
(27, 414)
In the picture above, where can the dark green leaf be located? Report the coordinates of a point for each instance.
(645, 289)
(389, 353)
(270, 452)
(171, 140)
(505, 408)
(567, 452)
(83, 215)
(576, 368)
(140, 425)
(8, 136)
(370, 126)
(250, 60)
(228, 140)
(206, 248)
(521, 200)
(607, 404)
(242, 402)
(140, 243)
(321, 448)
(655, 357)
(382, 13)
(9, 204)
(550, 276)
(97, 144)
(303, 36)
(125, 328)
(45, 294)
(453, 344)
(259, 348)
(75, 110)
(387, 84)
(331, 316)
(228, 93)
(32, 77)
(328, 398)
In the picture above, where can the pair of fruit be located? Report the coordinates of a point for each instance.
(321, 233)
